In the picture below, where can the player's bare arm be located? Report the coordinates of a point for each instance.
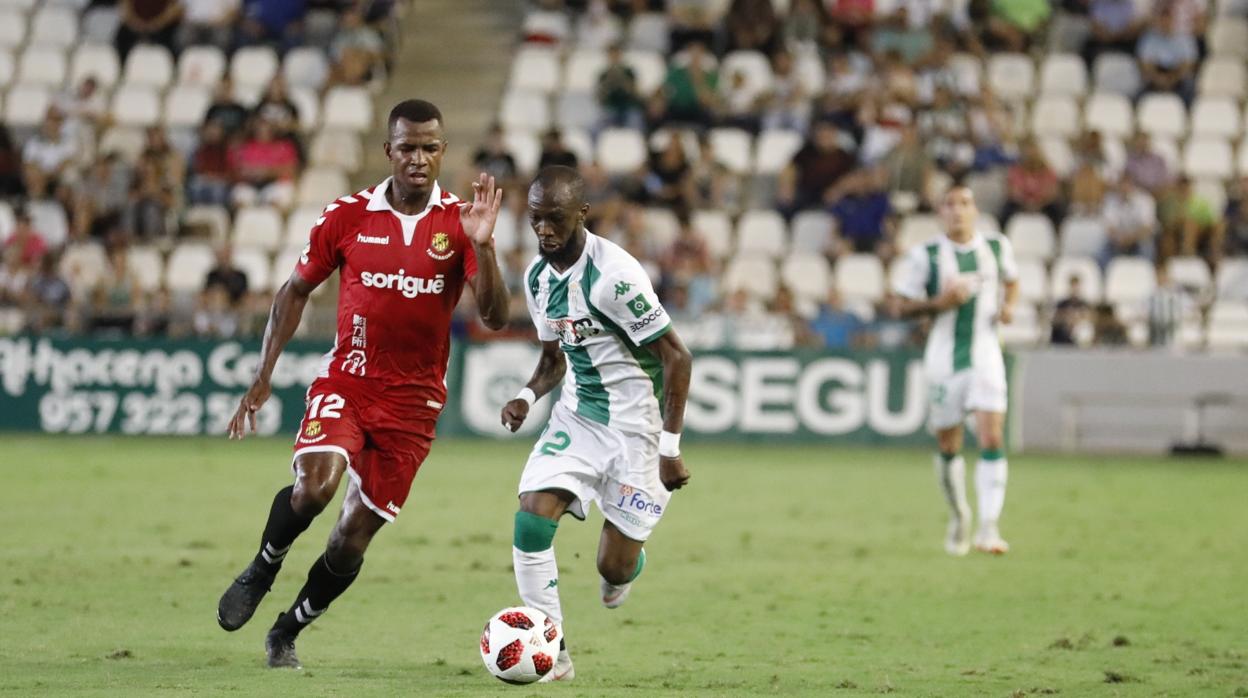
(478, 220)
(551, 366)
(952, 297)
(1006, 315)
(284, 319)
(677, 368)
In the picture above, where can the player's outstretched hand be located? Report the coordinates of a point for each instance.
(958, 293)
(245, 415)
(514, 414)
(672, 473)
(1006, 316)
(478, 219)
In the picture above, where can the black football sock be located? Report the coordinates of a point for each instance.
(323, 586)
(281, 530)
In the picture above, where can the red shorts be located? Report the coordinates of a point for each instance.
(383, 431)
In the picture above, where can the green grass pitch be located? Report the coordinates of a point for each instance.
(779, 571)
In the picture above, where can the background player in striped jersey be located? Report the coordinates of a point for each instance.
(968, 282)
(614, 436)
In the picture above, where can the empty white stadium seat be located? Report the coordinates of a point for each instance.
(48, 217)
(918, 229)
(1082, 237)
(731, 148)
(1109, 113)
(318, 185)
(1064, 74)
(580, 143)
(256, 266)
(860, 277)
(1058, 154)
(754, 274)
(137, 106)
(1032, 235)
(1221, 77)
(716, 230)
(534, 69)
(305, 66)
(577, 110)
(1012, 76)
(1162, 114)
(99, 24)
(12, 28)
(149, 64)
(147, 266)
(968, 72)
(762, 232)
(1117, 73)
(349, 108)
(1033, 281)
(26, 105)
(1232, 279)
(1208, 157)
(185, 105)
(215, 219)
(1228, 326)
(649, 67)
(1216, 116)
(339, 149)
(1055, 115)
(524, 148)
(1024, 330)
(774, 150)
(753, 65)
(299, 223)
(54, 25)
(188, 266)
(201, 65)
(661, 226)
(308, 105)
(42, 65)
(582, 68)
(254, 65)
(808, 276)
(1064, 268)
(649, 31)
(1192, 273)
(812, 232)
(1228, 37)
(621, 150)
(1129, 280)
(524, 111)
(258, 226)
(95, 60)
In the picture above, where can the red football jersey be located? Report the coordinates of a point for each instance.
(400, 277)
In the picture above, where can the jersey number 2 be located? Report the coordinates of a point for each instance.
(330, 408)
(559, 443)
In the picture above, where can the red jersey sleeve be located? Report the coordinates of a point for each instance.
(323, 253)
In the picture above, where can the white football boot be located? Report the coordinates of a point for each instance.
(989, 540)
(614, 596)
(958, 535)
(563, 670)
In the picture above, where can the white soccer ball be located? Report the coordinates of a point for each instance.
(520, 645)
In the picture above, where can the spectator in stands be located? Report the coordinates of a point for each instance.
(618, 96)
(1109, 332)
(1145, 167)
(739, 103)
(1191, 17)
(98, 207)
(27, 241)
(807, 25)
(1168, 57)
(669, 178)
(834, 326)
(48, 156)
(12, 184)
(146, 21)
(946, 130)
(862, 211)
(210, 168)
(909, 171)
(117, 299)
(208, 22)
(1032, 186)
(786, 105)
(689, 266)
(278, 109)
(555, 152)
(1012, 24)
(85, 108)
(1129, 215)
(1087, 187)
(852, 19)
(1237, 218)
(358, 51)
(896, 35)
(494, 159)
(691, 21)
(167, 161)
(82, 265)
(597, 28)
(14, 279)
(1072, 318)
(1168, 306)
(152, 201)
(688, 95)
(226, 275)
(215, 316)
(47, 297)
(752, 25)
(275, 22)
(819, 164)
(1190, 224)
(714, 185)
(1115, 26)
(264, 168)
(226, 110)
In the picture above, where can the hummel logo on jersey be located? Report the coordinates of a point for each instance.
(622, 288)
(409, 286)
(639, 305)
(373, 239)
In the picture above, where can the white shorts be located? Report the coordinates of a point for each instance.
(951, 399)
(618, 471)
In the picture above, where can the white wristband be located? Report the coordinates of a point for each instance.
(669, 444)
(526, 393)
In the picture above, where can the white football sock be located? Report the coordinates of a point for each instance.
(990, 477)
(952, 478)
(537, 579)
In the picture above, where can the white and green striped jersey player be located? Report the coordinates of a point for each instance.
(603, 311)
(964, 365)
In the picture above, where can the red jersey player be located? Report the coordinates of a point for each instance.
(404, 250)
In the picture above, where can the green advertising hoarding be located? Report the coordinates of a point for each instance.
(192, 387)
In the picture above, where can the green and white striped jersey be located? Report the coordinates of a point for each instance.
(603, 311)
(966, 336)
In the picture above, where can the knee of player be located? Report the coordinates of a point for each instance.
(311, 497)
(533, 533)
(616, 569)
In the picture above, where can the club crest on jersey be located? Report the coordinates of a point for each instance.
(312, 432)
(440, 247)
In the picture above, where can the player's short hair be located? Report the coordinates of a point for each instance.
(557, 176)
(416, 111)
